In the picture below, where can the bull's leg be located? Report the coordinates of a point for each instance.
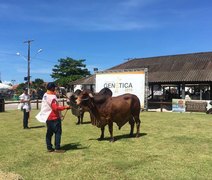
(78, 122)
(132, 124)
(82, 115)
(110, 126)
(102, 133)
(138, 122)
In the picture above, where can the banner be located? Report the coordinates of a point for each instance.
(121, 82)
(182, 105)
(178, 105)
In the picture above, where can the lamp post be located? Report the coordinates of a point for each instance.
(28, 67)
(28, 62)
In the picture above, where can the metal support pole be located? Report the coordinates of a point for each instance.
(28, 67)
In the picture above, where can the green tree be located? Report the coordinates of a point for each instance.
(69, 70)
(37, 86)
(20, 87)
(38, 83)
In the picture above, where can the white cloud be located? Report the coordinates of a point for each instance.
(108, 15)
(6, 82)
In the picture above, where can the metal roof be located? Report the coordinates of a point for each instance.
(86, 80)
(175, 68)
(189, 68)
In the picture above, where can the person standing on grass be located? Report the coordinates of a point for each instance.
(26, 107)
(51, 114)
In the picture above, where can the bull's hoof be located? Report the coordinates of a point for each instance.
(131, 135)
(112, 140)
(137, 136)
(100, 139)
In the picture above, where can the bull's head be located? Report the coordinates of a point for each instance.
(84, 97)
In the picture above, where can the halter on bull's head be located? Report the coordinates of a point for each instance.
(84, 97)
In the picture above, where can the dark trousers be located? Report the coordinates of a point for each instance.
(25, 118)
(53, 127)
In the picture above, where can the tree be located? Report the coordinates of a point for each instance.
(37, 86)
(20, 87)
(69, 70)
(38, 83)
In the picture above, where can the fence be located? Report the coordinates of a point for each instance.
(161, 105)
(9, 105)
(152, 106)
(2, 107)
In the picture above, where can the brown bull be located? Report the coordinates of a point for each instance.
(106, 110)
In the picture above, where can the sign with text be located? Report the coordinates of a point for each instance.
(121, 82)
(196, 106)
(178, 105)
(182, 105)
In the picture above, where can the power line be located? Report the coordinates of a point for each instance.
(31, 58)
(6, 53)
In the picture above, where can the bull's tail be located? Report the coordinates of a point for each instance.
(135, 106)
(135, 110)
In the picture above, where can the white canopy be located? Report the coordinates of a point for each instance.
(5, 86)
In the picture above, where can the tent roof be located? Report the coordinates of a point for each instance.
(5, 86)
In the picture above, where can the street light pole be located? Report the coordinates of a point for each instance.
(28, 69)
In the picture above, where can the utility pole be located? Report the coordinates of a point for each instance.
(28, 69)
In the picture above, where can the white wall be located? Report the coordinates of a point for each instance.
(123, 82)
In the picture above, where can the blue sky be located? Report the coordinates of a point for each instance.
(103, 32)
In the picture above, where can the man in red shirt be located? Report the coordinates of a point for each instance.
(53, 111)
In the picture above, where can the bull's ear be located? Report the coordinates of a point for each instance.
(91, 95)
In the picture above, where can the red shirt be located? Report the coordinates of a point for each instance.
(56, 109)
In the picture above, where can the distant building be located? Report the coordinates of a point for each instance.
(171, 76)
(84, 83)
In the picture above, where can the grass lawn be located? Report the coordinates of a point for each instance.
(171, 146)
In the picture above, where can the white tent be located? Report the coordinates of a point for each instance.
(5, 86)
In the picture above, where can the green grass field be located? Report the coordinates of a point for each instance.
(171, 146)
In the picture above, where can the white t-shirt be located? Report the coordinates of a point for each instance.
(187, 97)
(26, 105)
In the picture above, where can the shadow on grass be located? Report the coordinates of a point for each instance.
(87, 122)
(73, 146)
(125, 136)
(34, 127)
